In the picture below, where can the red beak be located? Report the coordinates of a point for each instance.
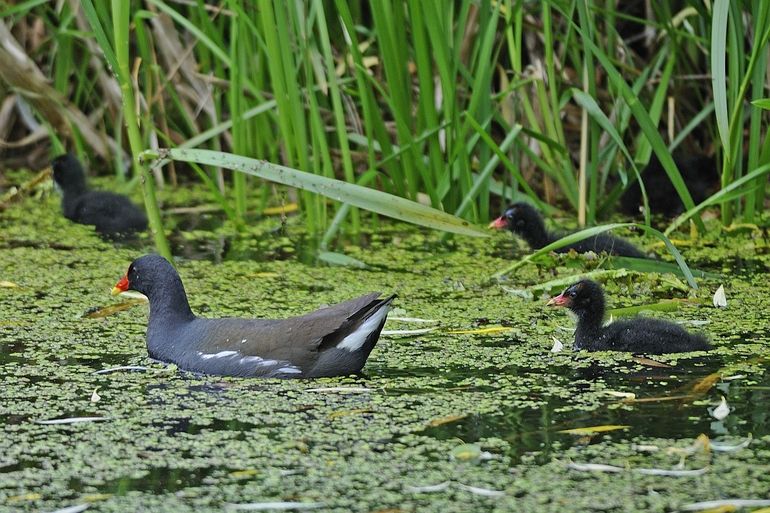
(560, 300)
(499, 223)
(121, 286)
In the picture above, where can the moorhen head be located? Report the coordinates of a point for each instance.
(637, 335)
(332, 341)
(526, 222)
(112, 215)
(69, 175)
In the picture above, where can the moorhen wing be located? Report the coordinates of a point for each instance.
(525, 221)
(113, 215)
(332, 341)
(637, 335)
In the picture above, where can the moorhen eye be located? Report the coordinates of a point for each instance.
(332, 341)
(636, 335)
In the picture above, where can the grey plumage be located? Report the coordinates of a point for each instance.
(306, 346)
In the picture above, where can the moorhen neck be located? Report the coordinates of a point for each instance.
(699, 173)
(637, 335)
(525, 221)
(112, 215)
(332, 341)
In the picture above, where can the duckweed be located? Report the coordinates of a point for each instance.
(177, 442)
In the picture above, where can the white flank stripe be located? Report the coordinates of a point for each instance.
(254, 360)
(221, 354)
(355, 340)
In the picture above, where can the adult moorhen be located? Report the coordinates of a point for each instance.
(113, 215)
(638, 335)
(332, 341)
(524, 220)
(699, 173)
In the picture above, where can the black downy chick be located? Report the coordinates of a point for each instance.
(525, 221)
(637, 335)
(699, 173)
(113, 215)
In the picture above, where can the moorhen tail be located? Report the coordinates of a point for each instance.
(112, 215)
(637, 335)
(699, 173)
(525, 221)
(332, 341)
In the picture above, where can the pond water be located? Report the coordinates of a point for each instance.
(468, 417)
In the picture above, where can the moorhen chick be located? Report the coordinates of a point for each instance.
(699, 173)
(637, 335)
(113, 215)
(525, 221)
(332, 341)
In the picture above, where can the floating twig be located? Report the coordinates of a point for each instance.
(71, 420)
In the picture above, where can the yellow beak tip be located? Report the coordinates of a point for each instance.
(115, 291)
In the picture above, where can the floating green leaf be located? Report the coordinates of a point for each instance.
(572, 238)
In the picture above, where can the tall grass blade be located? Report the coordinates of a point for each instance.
(730, 192)
(120, 25)
(647, 125)
(357, 196)
(592, 108)
(648, 265)
(102, 37)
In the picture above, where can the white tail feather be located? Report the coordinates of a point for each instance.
(355, 340)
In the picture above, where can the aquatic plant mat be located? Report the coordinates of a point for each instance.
(466, 404)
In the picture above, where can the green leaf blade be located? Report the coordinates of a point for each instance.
(353, 194)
